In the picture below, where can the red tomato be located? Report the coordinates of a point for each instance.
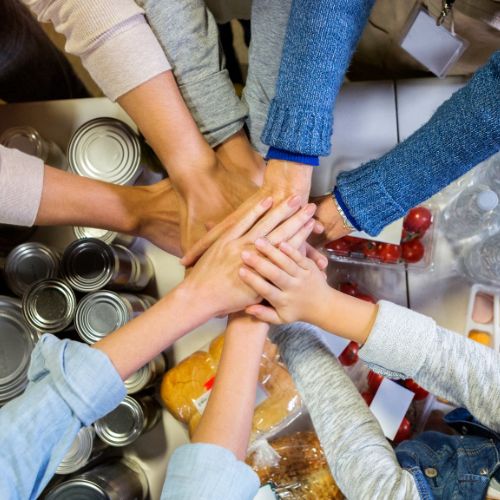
(420, 392)
(366, 297)
(349, 355)
(374, 380)
(418, 220)
(412, 251)
(352, 241)
(339, 246)
(349, 288)
(368, 396)
(404, 431)
(369, 249)
(408, 236)
(389, 253)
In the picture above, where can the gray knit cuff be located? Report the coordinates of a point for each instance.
(374, 213)
(216, 108)
(398, 343)
(304, 130)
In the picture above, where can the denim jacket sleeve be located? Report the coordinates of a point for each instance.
(464, 131)
(70, 385)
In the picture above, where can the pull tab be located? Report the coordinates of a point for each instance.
(447, 5)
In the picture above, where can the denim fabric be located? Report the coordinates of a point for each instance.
(453, 467)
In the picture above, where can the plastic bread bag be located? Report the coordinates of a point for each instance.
(296, 467)
(186, 388)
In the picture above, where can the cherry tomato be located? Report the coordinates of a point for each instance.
(349, 288)
(339, 246)
(420, 392)
(404, 431)
(412, 251)
(408, 236)
(366, 297)
(389, 253)
(349, 355)
(418, 220)
(368, 396)
(352, 241)
(374, 380)
(369, 249)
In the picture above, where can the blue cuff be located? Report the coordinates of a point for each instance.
(281, 154)
(343, 206)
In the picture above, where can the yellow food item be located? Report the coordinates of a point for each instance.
(481, 337)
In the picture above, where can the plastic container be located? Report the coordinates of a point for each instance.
(481, 262)
(491, 173)
(415, 250)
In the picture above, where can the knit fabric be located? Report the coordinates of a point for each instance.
(464, 131)
(319, 42)
(280, 154)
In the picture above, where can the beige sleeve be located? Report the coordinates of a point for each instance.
(21, 185)
(112, 38)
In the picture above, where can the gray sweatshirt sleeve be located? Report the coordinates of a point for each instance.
(361, 460)
(406, 344)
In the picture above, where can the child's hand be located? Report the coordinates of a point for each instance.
(289, 281)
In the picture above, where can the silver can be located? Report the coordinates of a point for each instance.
(28, 263)
(106, 149)
(17, 341)
(108, 237)
(49, 306)
(144, 270)
(147, 376)
(80, 452)
(12, 303)
(118, 479)
(130, 420)
(100, 313)
(90, 264)
(29, 141)
(148, 300)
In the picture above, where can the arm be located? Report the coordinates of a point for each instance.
(464, 131)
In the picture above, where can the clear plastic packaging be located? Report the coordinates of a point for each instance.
(186, 388)
(481, 262)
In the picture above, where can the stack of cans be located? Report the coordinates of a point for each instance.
(109, 237)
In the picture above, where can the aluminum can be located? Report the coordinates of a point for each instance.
(147, 376)
(100, 313)
(28, 263)
(11, 303)
(17, 341)
(90, 264)
(106, 149)
(108, 237)
(147, 299)
(118, 479)
(49, 306)
(128, 421)
(29, 141)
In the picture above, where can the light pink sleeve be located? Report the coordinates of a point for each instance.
(21, 185)
(112, 38)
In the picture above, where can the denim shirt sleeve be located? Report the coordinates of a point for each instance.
(70, 385)
(208, 472)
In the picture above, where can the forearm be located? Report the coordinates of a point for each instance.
(227, 419)
(443, 362)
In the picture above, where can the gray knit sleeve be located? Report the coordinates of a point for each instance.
(360, 457)
(406, 344)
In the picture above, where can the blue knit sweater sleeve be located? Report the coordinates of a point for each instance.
(319, 41)
(464, 131)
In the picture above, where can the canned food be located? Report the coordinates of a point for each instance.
(28, 263)
(90, 264)
(12, 303)
(126, 423)
(29, 141)
(108, 237)
(106, 149)
(103, 312)
(118, 479)
(17, 341)
(144, 270)
(79, 453)
(147, 375)
(49, 306)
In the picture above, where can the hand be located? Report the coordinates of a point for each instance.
(329, 217)
(289, 281)
(281, 180)
(215, 281)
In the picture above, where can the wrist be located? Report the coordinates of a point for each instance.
(191, 293)
(289, 178)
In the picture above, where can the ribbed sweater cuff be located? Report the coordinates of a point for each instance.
(344, 208)
(280, 154)
(370, 213)
(216, 118)
(298, 129)
(126, 60)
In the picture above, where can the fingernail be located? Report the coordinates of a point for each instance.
(242, 271)
(284, 245)
(245, 255)
(310, 224)
(267, 202)
(323, 263)
(319, 228)
(310, 209)
(294, 201)
(260, 242)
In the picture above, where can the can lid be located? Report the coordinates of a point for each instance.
(138, 380)
(88, 264)
(101, 313)
(93, 232)
(25, 139)
(12, 303)
(147, 300)
(105, 149)
(487, 200)
(77, 489)
(49, 305)
(28, 263)
(123, 425)
(79, 452)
